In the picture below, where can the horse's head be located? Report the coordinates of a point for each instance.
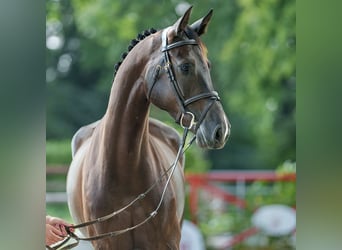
(179, 81)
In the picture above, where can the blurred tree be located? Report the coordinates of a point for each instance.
(257, 68)
(73, 98)
(251, 46)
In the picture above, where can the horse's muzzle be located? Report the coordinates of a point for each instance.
(213, 135)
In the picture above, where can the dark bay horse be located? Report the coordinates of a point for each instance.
(122, 155)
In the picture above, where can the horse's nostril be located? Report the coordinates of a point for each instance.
(218, 134)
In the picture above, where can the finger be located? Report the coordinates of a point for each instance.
(57, 231)
(55, 220)
(55, 235)
(69, 227)
(63, 230)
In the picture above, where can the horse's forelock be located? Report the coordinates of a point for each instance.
(191, 34)
(204, 50)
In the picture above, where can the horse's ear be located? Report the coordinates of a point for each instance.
(182, 22)
(200, 26)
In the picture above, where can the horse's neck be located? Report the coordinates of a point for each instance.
(126, 117)
(123, 136)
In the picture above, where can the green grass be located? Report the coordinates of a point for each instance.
(58, 152)
(59, 210)
(55, 183)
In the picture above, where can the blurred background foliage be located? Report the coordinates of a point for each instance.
(251, 46)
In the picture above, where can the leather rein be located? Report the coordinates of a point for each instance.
(141, 196)
(182, 148)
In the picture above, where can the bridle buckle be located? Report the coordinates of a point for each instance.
(192, 120)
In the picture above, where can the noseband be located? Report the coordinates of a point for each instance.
(182, 101)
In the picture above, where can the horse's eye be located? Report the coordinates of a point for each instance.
(185, 67)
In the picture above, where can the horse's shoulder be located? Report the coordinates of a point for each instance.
(164, 132)
(81, 136)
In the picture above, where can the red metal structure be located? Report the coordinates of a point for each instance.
(206, 182)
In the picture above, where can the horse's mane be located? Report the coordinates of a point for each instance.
(141, 36)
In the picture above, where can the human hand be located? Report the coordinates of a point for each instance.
(55, 230)
(52, 235)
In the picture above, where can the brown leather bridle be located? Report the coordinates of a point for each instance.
(182, 101)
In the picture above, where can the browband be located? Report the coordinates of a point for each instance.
(166, 47)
